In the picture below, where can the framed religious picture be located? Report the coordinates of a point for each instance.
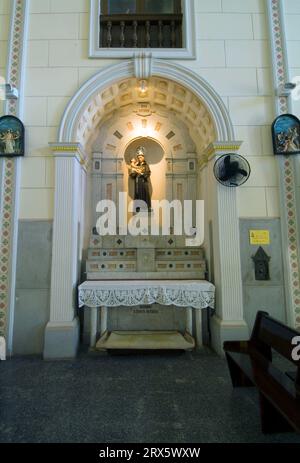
(286, 134)
(11, 137)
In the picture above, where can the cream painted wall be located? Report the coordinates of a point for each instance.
(4, 30)
(57, 65)
(292, 21)
(232, 54)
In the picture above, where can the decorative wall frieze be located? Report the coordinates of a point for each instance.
(286, 166)
(10, 168)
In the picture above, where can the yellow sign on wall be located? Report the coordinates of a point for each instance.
(259, 237)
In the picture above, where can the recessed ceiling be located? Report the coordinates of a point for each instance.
(125, 100)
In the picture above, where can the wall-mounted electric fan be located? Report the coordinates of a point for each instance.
(232, 170)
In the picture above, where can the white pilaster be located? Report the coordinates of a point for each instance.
(104, 319)
(228, 322)
(189, 320)
(62, 331)
(198, 328)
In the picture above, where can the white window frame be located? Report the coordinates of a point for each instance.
(189, 38)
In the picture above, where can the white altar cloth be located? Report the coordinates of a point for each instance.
(100, 296)
(197, 294)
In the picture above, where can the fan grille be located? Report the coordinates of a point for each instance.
(232, 170)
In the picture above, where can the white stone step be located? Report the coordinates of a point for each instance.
(145, 340)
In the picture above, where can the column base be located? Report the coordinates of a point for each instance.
(229, 330)
(61, 340)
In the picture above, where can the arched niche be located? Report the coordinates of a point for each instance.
(103, 93)
(194, 105)
(176, 175)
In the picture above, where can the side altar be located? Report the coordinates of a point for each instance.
(146, 291)
(138, 274)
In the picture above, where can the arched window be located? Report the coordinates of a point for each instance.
(141, 24)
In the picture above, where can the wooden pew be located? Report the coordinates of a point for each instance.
(251, 364)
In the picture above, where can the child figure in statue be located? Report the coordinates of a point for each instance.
(134, 167)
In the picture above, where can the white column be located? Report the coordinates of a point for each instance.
(198, 328)
(62, 331)
(104, 316)
(94, 322)
(189, 320)
(228, 322)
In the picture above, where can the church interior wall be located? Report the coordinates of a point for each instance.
(237, 49)
(262, 295)
(292, 18)
(232, 55)
(32, 286)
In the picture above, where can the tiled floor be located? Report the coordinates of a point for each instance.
(178, 398)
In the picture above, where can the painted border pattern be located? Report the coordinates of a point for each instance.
(288, 170)
(6, 225)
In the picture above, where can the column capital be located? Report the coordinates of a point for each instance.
(219, 148)
(70, 150)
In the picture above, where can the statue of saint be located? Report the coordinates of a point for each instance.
(140, 171)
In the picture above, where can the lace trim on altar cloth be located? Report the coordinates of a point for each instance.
(115, 297)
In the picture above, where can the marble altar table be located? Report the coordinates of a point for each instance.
(100, 296)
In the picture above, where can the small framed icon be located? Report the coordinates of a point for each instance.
(12, 137)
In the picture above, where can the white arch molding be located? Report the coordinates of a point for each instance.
(62, 331)
(127, 69)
